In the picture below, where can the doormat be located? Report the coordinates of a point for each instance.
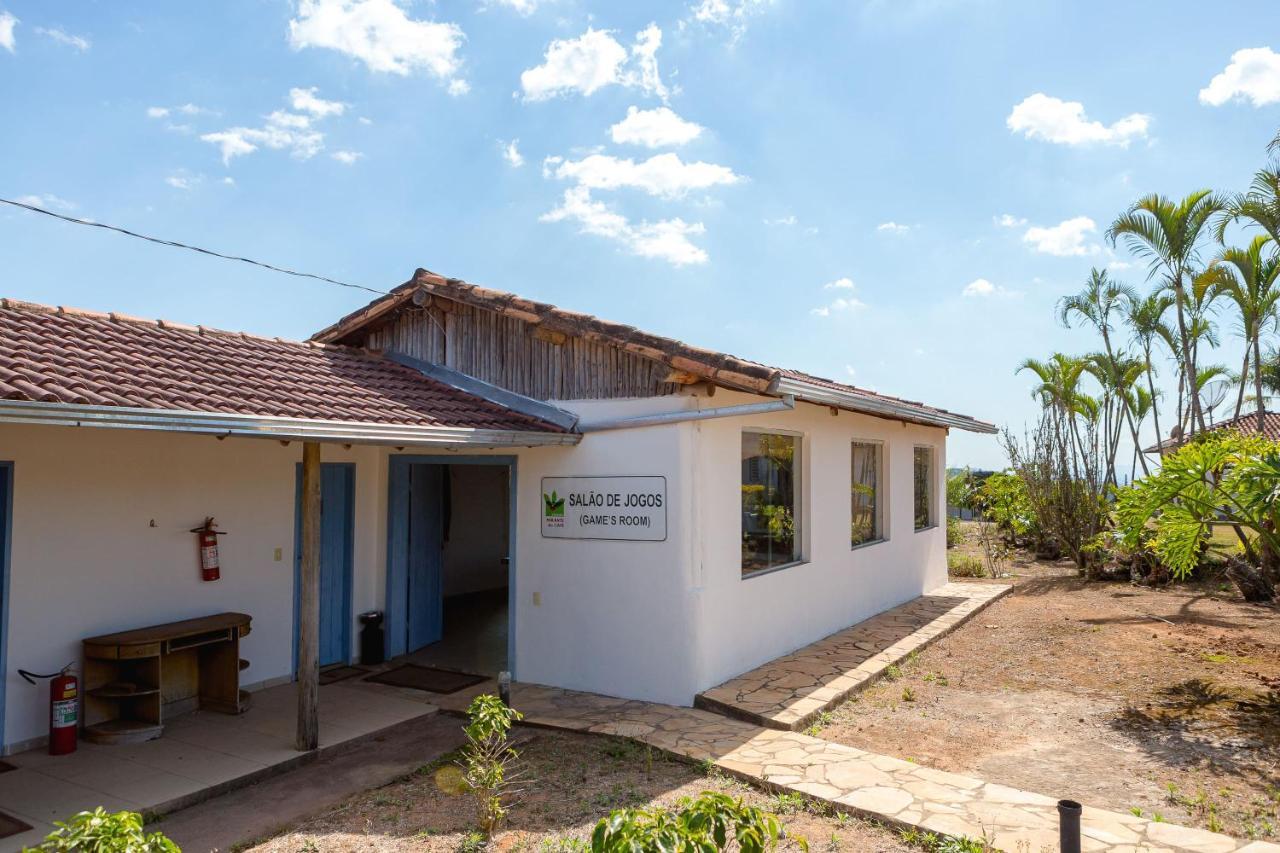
(340, 673)
(11, 826)
(428, 678)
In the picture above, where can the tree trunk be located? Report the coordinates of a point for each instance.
(309, 603)
(1257, 385)
(1244, 380)
(1188, 360)
(1252, 583)
(1133, 429)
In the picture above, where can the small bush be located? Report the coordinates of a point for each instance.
(964, 566)
(955, 535)
(711, 822)
(486, 759)
(100, 831)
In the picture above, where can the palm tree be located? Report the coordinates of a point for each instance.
(1258, 207)
(1101, 298)
(1145, 318)
(1140, 403)
(1250, 279)
(1169, 234)
(1059, 390)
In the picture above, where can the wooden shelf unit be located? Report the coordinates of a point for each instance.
(135, 680)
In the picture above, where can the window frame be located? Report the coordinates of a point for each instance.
(931, 488)
(882, 488)
(800, 509)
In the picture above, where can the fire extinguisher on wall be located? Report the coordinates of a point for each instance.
(207, 539)
(64, 708)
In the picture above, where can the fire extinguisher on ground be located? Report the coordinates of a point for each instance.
(64, 708)
(207, 539)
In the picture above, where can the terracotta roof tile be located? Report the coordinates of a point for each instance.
(719, 367)
(57, 355)
(1247, 423)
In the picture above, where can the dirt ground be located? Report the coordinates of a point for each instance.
(570, 782)
(1165, 701)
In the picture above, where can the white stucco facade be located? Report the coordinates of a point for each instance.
(100, 542)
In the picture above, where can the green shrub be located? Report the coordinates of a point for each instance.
(710, 822)
(954, 534)
(100, 831)
(486, 759)
(964, 566)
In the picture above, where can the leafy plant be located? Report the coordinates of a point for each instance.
(964, 566)
(486, 759)
(100, 831)
(711, 822)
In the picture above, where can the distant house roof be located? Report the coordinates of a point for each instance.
(105, 365)
(720, 368)
(1246, 424)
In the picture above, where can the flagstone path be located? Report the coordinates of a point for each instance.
(791, 691)
(889, 790)
(785, 694)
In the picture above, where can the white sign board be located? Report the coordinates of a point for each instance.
(633, 508)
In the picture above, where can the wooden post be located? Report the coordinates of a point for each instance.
(309, 603)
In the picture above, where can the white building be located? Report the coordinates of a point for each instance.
(518, 487)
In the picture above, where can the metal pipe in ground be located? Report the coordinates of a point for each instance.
(1069, 826)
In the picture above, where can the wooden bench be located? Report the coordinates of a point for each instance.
(134, 680)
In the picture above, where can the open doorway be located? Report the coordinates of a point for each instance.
(449, 568)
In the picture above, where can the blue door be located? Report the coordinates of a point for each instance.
(337, 549)
(424, 615)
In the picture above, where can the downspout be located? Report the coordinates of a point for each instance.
(787, 402)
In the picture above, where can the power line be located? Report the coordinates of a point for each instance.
(36, 209)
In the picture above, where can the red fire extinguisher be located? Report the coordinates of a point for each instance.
(207, 538)
(64, 708)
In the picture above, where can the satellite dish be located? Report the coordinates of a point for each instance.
(1212, 394)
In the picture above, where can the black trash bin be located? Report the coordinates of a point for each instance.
(372, 648)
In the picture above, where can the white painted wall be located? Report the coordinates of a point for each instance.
(648, 620)
(86, 559)
(743, 622)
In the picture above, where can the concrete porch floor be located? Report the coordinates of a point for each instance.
(200, 755)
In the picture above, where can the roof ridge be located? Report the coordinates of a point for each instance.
(10, 304)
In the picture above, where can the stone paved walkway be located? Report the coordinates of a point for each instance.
(889, 790)
(791, 691)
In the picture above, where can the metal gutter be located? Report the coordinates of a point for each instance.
(479, 388)
(786, 403)
(260, 426)
(822, 395)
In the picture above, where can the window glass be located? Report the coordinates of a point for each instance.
(924, 487)
(770, 467)
(865, 493)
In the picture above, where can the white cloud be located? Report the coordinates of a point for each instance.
(1119, 265)
(7, 24)
(1253, 75)
(1008, 220)
(365, 121)
(663, 175)
(184, 181)
(892, 227)
(593, 61)
(521, 7)
(80, 43)
(731, 14)
(511, 153)
(347, 158)
(157, 112)
(379, 34)
(666, 240)
(194, 110)
(306, 101)
(654, 128)
(458, 87)
(1041, 116)
(788, 220)
(1065, 239)
(49, 201)
(982, 289)
(283, 130)
(850, 371)
(840, 304)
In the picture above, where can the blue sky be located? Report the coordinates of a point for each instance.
(889, 193)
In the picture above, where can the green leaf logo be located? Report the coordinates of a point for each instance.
(553, 505)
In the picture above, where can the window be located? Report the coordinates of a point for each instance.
(924, 487)
(865, 493)
(770, 470)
